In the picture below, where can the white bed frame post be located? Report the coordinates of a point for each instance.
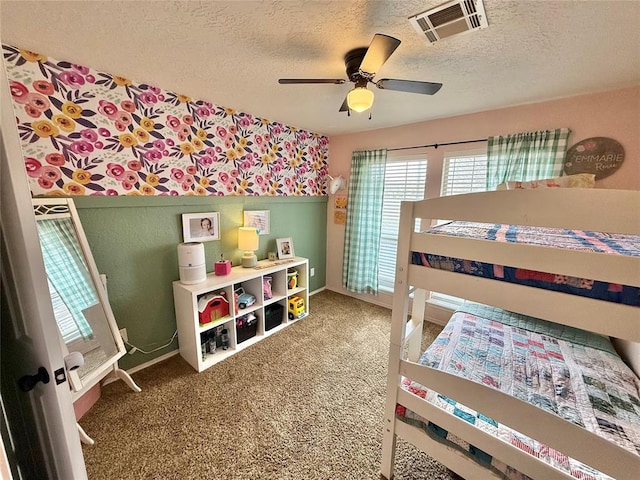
(396, 351)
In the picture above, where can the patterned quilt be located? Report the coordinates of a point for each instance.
(551, 237)
(569, 372)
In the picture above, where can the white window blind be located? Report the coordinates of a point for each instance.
(462, 172)
(405, 179)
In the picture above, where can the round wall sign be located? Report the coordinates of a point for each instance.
(599, 155)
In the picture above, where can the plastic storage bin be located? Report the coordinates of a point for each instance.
(246, 327)
(273, 316)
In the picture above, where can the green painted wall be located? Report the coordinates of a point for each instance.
(134, 242)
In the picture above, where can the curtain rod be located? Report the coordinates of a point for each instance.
(436, 145)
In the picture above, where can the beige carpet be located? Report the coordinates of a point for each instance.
(304, 404)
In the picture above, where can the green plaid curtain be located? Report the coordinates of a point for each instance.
(526, 156)
(66, 270)
(364, 218)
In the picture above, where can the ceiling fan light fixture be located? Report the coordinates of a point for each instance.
(360, 99)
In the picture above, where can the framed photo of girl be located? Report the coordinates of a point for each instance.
(201, 227)
(285, 248)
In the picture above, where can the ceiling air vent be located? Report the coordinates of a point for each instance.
(449, 19)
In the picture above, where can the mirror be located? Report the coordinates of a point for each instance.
(82, 312)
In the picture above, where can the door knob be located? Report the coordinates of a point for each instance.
(28, 382)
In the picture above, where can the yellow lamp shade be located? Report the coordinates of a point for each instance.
(360, 99)
(247, 239)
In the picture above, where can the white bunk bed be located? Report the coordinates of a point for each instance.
(611, 211)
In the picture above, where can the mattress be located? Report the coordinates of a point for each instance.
(566, 371)
(613, 244)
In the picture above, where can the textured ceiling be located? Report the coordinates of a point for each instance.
(233, 52)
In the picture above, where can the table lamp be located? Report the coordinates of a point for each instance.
(248, 241)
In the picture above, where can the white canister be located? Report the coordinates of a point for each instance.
(191, 263)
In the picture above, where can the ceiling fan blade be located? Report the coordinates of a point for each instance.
(295, 81)
(344, 107)
(411, 86)
(379, 51)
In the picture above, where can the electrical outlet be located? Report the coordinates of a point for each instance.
(123, 334)
(313, 271)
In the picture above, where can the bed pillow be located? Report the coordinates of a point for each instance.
(580, 180)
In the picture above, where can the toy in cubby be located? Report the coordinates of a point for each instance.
(295, 308)
(212, 306)
(266, 287)
(292, 278)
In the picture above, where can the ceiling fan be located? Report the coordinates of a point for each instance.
(362, 64)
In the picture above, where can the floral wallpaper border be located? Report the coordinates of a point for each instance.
(93, 133)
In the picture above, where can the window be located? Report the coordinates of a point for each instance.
(405, 179)
(462, 172)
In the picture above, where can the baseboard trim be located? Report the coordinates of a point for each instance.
(170, 354)
(144, 365)
(317, 291)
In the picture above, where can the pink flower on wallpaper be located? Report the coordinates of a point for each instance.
(153, 156)
(37, 100)
(177, 175)
(108, 109)
(173, 123)
(203, 112)
(206, 161)
(72, 79)
(81, 147)
(134, 165)
(44, 87)
(33, 167)
(130, 176)
(90, 124)
(188, 180)
(245, 121)
(45, 183)
(115, 170)
(148, 98)
(18, 91)
(128, 106)
(50, 173)
(221, 132)
(32, 111)
(55, 159)
(124, 117)
(89, 135)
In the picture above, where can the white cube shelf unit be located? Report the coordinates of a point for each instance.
(194, 337)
